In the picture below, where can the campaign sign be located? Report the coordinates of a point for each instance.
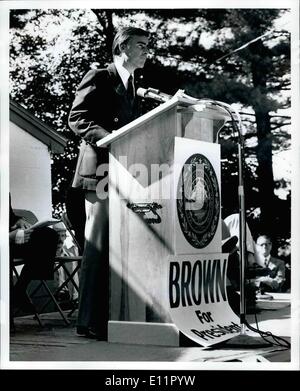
(198, 298)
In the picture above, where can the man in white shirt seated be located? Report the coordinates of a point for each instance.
(269, 271)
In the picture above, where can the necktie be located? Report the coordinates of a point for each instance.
(266, 262)
(130, 92)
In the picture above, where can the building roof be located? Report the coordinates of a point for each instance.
(31, 124)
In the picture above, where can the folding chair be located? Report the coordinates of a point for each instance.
(14, 264)
(59, 262)
(70, 229)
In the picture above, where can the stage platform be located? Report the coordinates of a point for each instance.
(56, 342)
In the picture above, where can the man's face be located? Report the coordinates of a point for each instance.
(263, 246)
(136, 50)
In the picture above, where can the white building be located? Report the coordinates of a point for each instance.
(31, 143)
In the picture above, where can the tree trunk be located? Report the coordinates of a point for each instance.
(264, 136)
(105, 20)
(265, 170)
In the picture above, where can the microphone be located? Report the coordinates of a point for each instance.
(153, 94)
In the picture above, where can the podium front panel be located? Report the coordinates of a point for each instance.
(141, 172)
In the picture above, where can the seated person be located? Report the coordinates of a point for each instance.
(230, 244)
(66, 247)
(37, 247)
(232, 224)
(268, 272)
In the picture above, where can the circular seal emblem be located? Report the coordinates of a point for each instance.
(198, 201)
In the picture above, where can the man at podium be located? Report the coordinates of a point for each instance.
(105, 101)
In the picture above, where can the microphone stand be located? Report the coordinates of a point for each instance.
(243, 339)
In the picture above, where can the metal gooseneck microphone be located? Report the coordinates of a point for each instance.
(152, 93)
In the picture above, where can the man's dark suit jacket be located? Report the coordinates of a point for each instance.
(100, 106)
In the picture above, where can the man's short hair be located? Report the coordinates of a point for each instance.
(123, 35)
(265, 235)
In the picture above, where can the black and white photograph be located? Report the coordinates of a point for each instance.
(150, 188)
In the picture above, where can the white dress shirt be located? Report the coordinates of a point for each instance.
(123, 73)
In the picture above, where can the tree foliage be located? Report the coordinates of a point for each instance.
(191, 49)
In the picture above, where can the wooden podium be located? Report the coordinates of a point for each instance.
(143, 217)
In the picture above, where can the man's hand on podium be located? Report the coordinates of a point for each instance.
(179, 93)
